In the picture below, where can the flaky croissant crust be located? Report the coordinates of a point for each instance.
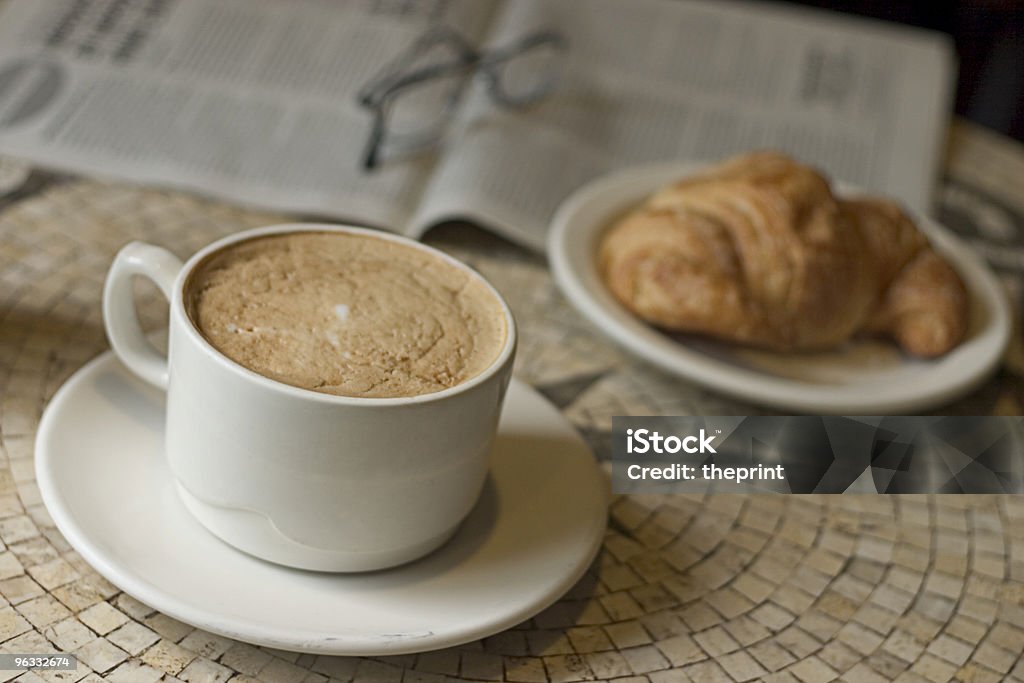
(759, 251)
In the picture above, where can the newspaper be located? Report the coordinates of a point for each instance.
(258, 101)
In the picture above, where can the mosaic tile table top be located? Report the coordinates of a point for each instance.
(728, 588)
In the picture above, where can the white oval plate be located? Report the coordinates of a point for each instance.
(863, 376)
(106, 483)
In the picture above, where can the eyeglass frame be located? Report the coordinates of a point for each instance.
(382, 90)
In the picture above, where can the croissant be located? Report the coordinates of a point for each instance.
(759, 251)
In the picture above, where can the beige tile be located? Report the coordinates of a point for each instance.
(772, 656)
(644, 659)
(666, 676)
(102, 618)
(134, 672)
(509, 643)
(132, 607)
(336, 668)
(746, 631)
(716, 641)
(933, 669)
(203, 670)
(995, 657)
(69, 634)
(729, 603)
(627, 634)
(975, 673)
(800, 643)
(663, 625)
(10, 566)
(653, 598)
(1006, 636)
(52, 574)
(168, 657)
(741, 666)
(772, 617)
(27, 642)
(439, 662)
(133, 637)
(101, 655)
(17, 529)
(753, 587)
(621, 606)
(903, 645)
(167, 627)
(586, 639)
(206, 644)
(886, 664)
(813, 670)
(839, 656)
(12, 624)
(837, 606)
(781, 677)
(862, 673)
(860, 638)
(548, 643)
(43, 611)
(681, 650)
(19, 589)
(707, 672)
(951, 650)
(525, 670)
(892, 598)
(823, 626)
(699, 617)
(619, 577)
(81, 594)
(483, 666)
(946, 585)
(922, 628)
(875, 618)
(567, 668)
(275, 671)
(607, 664)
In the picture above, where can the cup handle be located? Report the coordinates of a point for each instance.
(119, 315)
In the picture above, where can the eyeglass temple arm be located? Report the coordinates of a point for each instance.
(371, 154)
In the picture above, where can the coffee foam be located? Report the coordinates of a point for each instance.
(346, 314)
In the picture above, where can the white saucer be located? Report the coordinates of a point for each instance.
(862, 377)
(538, 526)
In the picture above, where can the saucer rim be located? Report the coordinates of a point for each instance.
(290, 639)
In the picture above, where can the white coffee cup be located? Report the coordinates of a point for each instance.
(298, 477)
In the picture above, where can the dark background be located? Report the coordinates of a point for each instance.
(989, 36)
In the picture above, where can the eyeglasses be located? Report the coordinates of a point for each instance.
(413, 97)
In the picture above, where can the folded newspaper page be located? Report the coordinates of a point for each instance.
(265, 101)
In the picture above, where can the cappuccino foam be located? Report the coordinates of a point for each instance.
(346, 314)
